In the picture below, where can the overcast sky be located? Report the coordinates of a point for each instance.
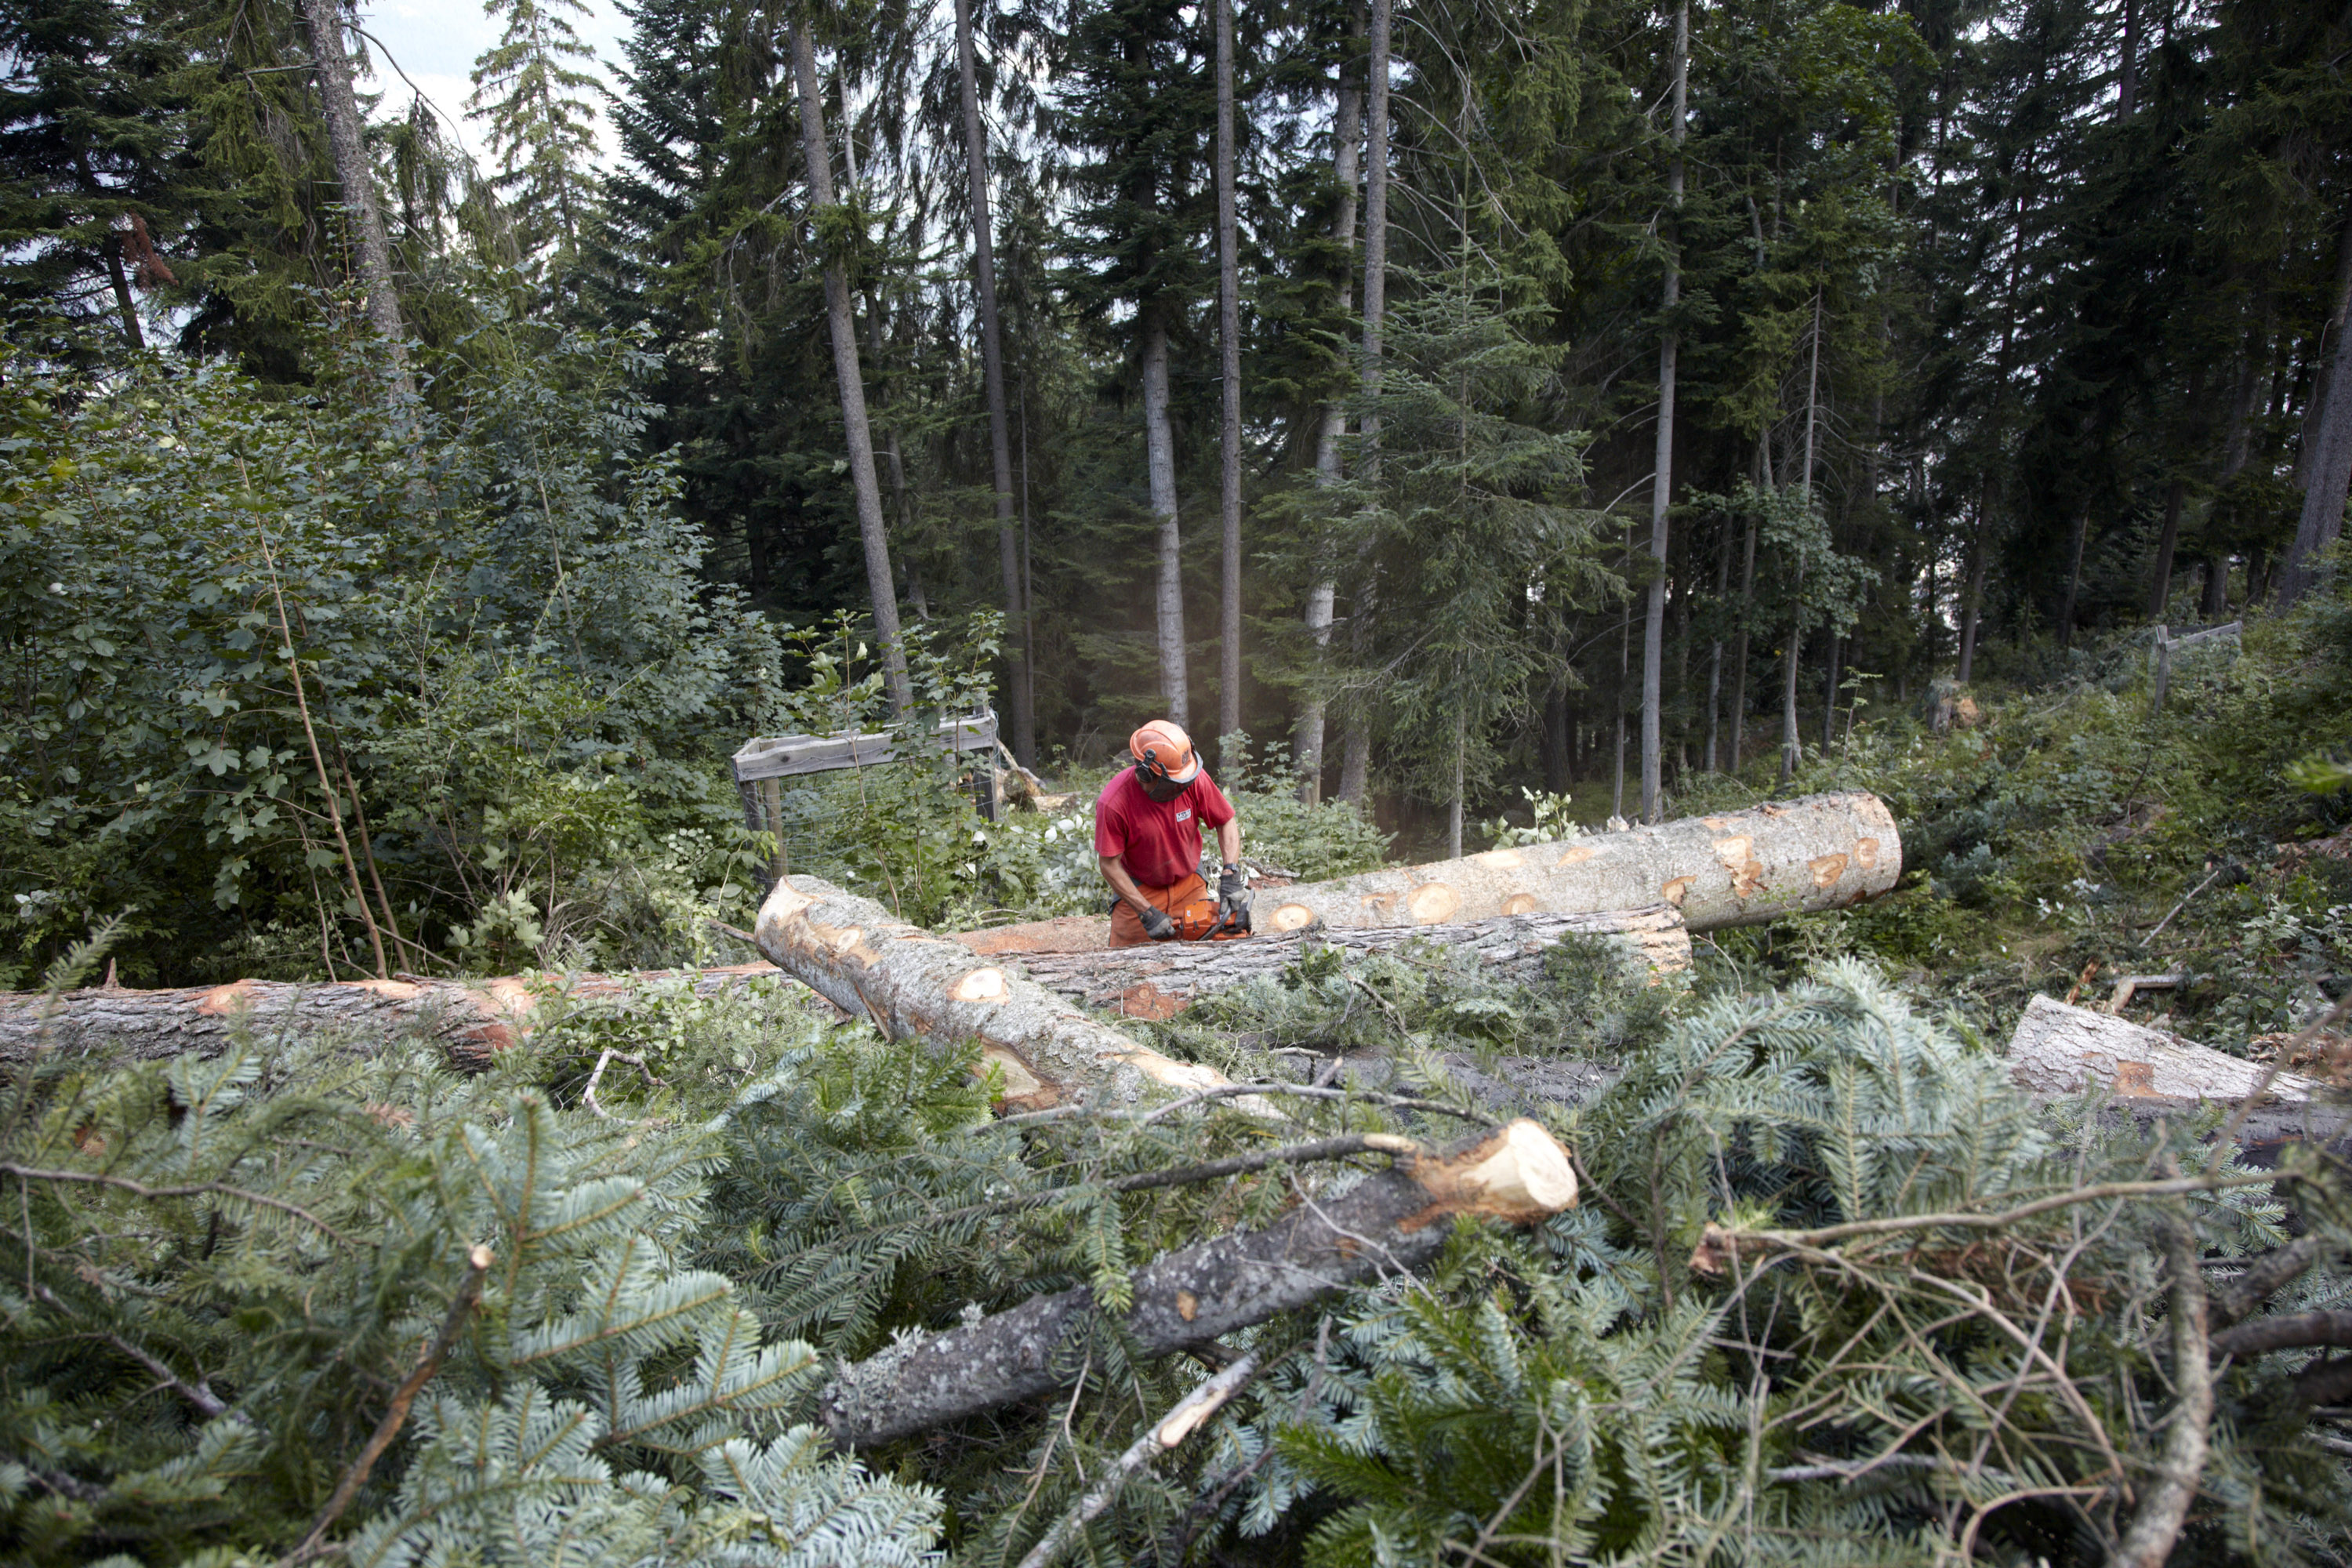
(435, 43)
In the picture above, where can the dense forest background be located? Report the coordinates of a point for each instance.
(1477, 420)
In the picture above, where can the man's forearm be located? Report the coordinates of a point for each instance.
(1229, 842)
(1114, 870)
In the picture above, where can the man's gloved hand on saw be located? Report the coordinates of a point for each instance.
(1156, 924)
(1233, 897)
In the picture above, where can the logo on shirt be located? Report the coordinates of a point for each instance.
(1184, 814)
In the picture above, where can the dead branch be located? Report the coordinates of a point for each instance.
(2157, 1524)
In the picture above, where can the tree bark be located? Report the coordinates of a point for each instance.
(1164, 978)
(1739, 650)
(347, 142)
(880, 585)
(991, 369)
(2073, 579)
(1715, 649)
(1376, 232)
(470, 1021)
(1387, 1224)
(2330, 478)
(1159, 454)
(1661, 468)
(908, 982)
(1347, 126)
(1229, 432)
(2166, 541)
(2060, 1050)
(1743, 867)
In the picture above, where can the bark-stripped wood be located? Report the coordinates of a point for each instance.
(1163, 979)
(2060, 1050)
(851, 952)
(1741, 868)
(471, 1020)
(1389, 1223)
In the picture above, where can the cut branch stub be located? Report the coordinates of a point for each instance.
(851, 952)
(1391, 1223)
(1742, 868)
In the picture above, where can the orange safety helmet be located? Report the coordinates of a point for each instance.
(1162, 750)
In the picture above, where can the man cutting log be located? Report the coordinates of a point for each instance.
(1148, 824)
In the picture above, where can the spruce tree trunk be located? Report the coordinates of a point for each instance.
(1355, 760)
(1714, 650)
(1739, 650)
(1159, 454)
(992, 368)
(2330, 478)
(2074, 579)
(880, 586)
(1662, 471)
(1734, 868)
(1978, 555)
(347, 142)
(1792, 747)
(1347, 126)
(2166, 541)
(1229, 432)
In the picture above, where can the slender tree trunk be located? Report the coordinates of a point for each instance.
(2213, 603)
(1461, 748)
(1662, 469)
(1625, 679)
(2128, 74)
(1978, 557)
(2330, 476)
(1376, 231)
(2160, 592)
(2074, 579)
(1159, 446)
(902, 506)
(1792, 747)
(1355, 767)
(1347, 126)
(841, 319)
(1739, 650)
(991, 367)
(1229, 436)
(1829, 691)
(1715, 649)
(123, 303)
(347, 141)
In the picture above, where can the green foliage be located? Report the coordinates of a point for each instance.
(249, 633)
(220, 1268)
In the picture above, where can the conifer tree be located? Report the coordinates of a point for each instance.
(532, 89)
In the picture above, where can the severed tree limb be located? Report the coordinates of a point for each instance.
(2157, 1524)
(1187, 1416)
(1718, 1243)
(1389, 1223)
(469, 1291)
(2263, 1278)
(2286, 1332)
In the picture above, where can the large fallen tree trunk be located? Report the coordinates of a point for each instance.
(1391, 1223)
(2061, 1050)
(1161, 979)
(471, 1020)
(1742, 868)
(851, 952)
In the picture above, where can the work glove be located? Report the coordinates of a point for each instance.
(1156, 924)
(1233, 897)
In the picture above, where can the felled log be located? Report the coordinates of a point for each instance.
(2060, 1050)
(910, 982)
(1823, 852)
(471, 1020)
(1161, 979)
(1389, 1223)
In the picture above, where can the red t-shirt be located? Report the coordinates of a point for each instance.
(1159, 840)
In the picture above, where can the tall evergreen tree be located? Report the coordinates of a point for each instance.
(530, 89)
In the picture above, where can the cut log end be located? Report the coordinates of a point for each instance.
(1519, 1175)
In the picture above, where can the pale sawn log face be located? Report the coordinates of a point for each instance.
(1391, 1223)
(856, 954)
(1742, 868)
